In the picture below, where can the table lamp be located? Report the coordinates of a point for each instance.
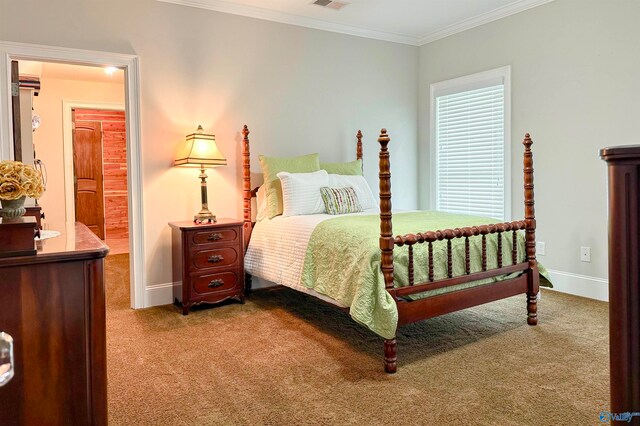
(200, 150)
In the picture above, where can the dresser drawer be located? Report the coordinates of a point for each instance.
(215, 236)
(215, 258)
(208, 283)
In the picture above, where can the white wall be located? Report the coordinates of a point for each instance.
(48, 138)
(576, 89)
(299, 90)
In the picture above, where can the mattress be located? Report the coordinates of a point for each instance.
(278, 247)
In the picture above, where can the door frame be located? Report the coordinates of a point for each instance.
(131, 66)
(67, 148)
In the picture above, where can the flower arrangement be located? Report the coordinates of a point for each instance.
(18, 180)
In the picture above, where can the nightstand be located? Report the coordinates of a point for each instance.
(209, 260)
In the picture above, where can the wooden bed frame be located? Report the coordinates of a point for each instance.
(409, 310)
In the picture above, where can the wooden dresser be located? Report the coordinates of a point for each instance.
(624, 277)
(53, 305)
(209, 260)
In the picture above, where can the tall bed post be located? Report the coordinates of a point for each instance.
(533, 279)
(359, 145)
(246, 185)
(386, 240)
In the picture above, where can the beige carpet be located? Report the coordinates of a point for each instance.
(286, 359)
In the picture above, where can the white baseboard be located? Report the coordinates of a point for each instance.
(159, 294)
(580, 285)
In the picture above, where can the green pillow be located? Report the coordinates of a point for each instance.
(350, 168)
(271, 166)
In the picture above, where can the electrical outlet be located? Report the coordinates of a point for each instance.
(540, 248)
(585, 254)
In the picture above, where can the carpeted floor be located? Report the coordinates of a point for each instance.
(286, 359)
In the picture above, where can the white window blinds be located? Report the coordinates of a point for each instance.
(470, 151)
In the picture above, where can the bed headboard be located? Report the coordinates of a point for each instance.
(248, 193)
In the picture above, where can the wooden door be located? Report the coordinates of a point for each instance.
(87, 167)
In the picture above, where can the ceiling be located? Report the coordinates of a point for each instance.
(413, 22)
(69, 72)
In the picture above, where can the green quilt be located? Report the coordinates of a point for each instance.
(343, 261)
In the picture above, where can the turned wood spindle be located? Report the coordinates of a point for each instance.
(386, 239)
(530, 233)
(484, 252)
(386, 234)
(430, 261)
(514, 247)
(359, 145)
(390, 355)
(499, 249)
(529, 204)
(449, 259)
(410, 265)
(467, 257)
(246, 185)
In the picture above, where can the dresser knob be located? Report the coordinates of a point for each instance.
(215, 283)
(214, 237)
(215, 258)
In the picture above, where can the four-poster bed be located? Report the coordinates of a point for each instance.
(517, 272)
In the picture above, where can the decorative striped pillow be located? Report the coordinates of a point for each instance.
(340, 200)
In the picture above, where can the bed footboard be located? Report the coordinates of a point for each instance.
(416, 310)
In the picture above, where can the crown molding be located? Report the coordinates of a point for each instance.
(485, 18)
(301, 21)
(319, 24)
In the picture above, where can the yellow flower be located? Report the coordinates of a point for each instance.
(33, 188)
(29, 173)
(18, 179)
(10, 189)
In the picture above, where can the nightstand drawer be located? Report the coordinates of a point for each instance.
(215, 236)
(223, 281)
(215, 258)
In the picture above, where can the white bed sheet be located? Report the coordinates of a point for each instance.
(278, 247)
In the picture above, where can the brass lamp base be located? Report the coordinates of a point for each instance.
(205, 216)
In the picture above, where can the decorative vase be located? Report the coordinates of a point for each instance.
(12, 208)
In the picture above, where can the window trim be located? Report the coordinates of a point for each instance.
(470, 82)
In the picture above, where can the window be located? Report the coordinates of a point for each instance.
(470, 153)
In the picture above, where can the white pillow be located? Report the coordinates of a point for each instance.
(359, 184)
(301, 192)
(261, 200)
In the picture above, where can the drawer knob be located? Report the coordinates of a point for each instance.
(214, 237)
(215, 283)
(215, 258)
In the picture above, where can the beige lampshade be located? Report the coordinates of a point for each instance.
(200, 150)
